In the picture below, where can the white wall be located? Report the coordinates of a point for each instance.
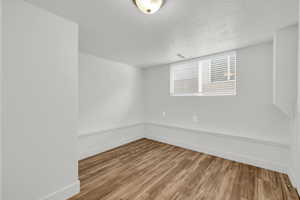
(285, 87)
(285, 69)
(40, 100)
(294, 169)
(0, 99)
(246, 128)
(249, 114)
(110, 98)
(298, 117)
(295, 148)
(101, 141)
(294, 173)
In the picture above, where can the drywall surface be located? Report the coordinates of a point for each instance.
(295, 147)
(110, 94)
(296, 156)
(1, 100)
(294, 163)
(285, 88)
(40, 100)
(298, 114)
(250, 114)
(98, 142)
(111, 109)
(285, 69)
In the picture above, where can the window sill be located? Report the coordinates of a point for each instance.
(201, 95)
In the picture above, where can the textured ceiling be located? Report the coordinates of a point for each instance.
(116, 30)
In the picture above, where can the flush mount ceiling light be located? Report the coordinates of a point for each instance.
(149, 6)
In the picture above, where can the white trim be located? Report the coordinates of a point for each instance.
(112, 139)
(274, 78)
(100, 149)
(171, 79)
(223, 134)
(64, 193)
(200, 78)
(81, 135)
(199, 62)
(202, 95)
(228, 67)
(292, 176)
(243, 157)
(226, 155)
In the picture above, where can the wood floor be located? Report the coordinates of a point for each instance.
(151, 170)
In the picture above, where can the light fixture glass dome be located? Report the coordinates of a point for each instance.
(149, 6)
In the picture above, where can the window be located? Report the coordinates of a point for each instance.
(209, 76)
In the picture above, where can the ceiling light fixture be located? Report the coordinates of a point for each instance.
(149, 6)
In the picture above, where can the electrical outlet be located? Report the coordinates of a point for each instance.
(195, 118)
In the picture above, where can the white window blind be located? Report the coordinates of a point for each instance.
(210, 76)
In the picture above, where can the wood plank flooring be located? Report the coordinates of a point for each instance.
(149, 170)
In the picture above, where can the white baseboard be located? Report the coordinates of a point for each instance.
(64, 193)
(292, 176)
(265, 154)
(257, 153)
(98, 142)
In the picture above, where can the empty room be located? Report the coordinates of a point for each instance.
(149, 100)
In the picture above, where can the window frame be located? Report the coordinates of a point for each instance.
(198, 60)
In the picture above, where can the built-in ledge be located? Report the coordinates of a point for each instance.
(222, 134)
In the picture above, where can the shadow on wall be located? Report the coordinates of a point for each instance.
(110, 94)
